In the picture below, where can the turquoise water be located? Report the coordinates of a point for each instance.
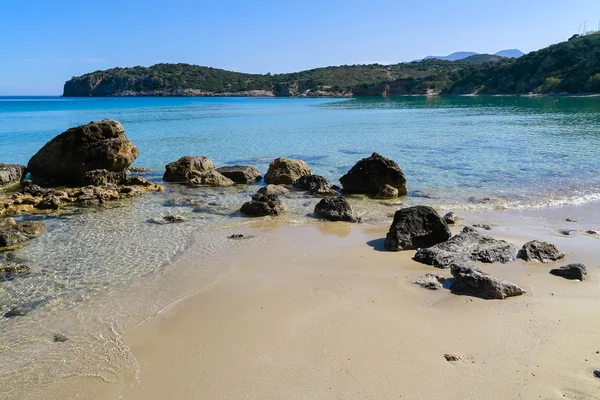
(521, 149)
(98, 273)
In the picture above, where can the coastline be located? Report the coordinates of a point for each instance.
(318, 311)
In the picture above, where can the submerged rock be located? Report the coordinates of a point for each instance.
(371, 174)
(11, 174)
(387, 192)
(473, 280)
(25, 308)
(241, 174)
(73, 153)
(316, 185)
(483, 226)
(31, 228)
(59, 337)
(467, 245)
(335, 209)
(174, 218)
(543, 252)
(195, 170)
(8, 272)
(10, 238)
(416, 227)
(571, 271)
(262, 205)
(275, 190)
(286, 171)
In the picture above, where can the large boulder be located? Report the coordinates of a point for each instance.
(262, 205)
(543, 252)
(286, 171)
(335, 209)
(316, 185)
(241, 173)
(473, 280)
(11, 174)
(571, 271)
(370, 175)
(195, 170)
(97, 145)
(416, 227)
(469, 244)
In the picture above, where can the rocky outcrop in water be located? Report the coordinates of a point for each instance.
(262, 205)
(467, 245)
(473, 280)
(416, 227)
(571, 271)
(286, 171)
(316, 185)
(543, 252)
(241, 174)
(370, 175)
(11, 174)
(195, 170)
(100, 145)
(14, 234)
(335, 209)
(387, 192)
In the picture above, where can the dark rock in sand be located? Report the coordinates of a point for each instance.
(241, 174)
(316, 185)
(451, 218)
(473, 280)
(236, 236)
(416, 227)
(467, 245)
(592, 232)
(59, 337)
(195, 170)
(566, 232)
(174, 218)
(286, 171)
(571, 271)
(387, 192)
(275, 190)
(483, 226)
(10, 238)
(335, 209)
(597, 373)
(97, 145)
(431, 282)
(544, 252)
(262, 205)
(371, 174)
(11, 174)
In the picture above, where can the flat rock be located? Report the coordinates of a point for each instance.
(286, 171)
(471, 279)
(543, 252)
(416, 227)
(241, 174)
(467, 245)
(335, 209)
(94, 146)
(571, 271)
(371, 174)
(11, 174)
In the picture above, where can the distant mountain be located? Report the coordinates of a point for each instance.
(481, 58)
(460, 55)
(510, 53)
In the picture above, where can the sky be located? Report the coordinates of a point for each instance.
(43, 43)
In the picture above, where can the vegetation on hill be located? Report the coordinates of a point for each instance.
(572, 66)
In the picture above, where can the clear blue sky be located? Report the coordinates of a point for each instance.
(45, 42)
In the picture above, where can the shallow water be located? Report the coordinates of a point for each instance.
(97, 273)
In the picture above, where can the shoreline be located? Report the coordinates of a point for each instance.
(315, 311)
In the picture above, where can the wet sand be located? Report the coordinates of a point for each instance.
(319, 311)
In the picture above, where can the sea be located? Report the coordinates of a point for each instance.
(99, 272)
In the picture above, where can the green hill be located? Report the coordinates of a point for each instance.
(572, 67)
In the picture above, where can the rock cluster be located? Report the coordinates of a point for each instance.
(286, 171)
(373, 175)
(335, 209)
(100, 145)
(416, 227)
(467, 245)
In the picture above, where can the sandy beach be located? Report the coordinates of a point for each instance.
(319, 311)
